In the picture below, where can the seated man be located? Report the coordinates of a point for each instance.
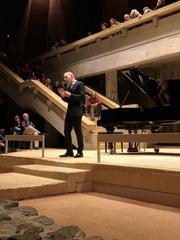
(93, 106)
(29, 128)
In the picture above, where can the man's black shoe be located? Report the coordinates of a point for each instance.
(67, 155)
(78, 155)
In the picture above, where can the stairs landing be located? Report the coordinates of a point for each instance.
(74, 177)
(17, 186)
(27, 180)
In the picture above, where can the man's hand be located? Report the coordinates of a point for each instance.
(64, 93)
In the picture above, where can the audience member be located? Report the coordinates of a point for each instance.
(2, 144)
(113, 22)
(62, 43)
(48, 83)
(126, 17)
(38, 71)
(26, 72)
(17, 70)
(3, 57)
(146, 10)
(89, 33)
(160, 4)
(56, 87)
(33, 76)
(93, 106)
(55, 46)
(104, 26)
(2, 132)
(134, 13)
(17, 129)
(28, 128)
(43, 78)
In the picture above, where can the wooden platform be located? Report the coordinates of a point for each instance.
(143, 176)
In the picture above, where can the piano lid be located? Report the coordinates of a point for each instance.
(147, 85)
(165, 112)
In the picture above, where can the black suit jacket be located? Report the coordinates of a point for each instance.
(76, 100)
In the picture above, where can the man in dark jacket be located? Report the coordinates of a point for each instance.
(74, 95)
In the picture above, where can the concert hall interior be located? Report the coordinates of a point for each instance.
(126, 57)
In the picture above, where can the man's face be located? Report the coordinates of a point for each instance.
(26, 117)
(17, 119)
(68, 77)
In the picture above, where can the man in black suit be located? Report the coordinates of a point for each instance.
(74, 95)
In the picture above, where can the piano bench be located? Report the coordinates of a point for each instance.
(26, 138)
(155, 138)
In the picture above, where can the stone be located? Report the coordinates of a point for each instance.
(7, 230)
(4, 216)
(94, 238)
(26, 211)
(66, 233)
(23, 223)
(44, 220)
(30, 227)
(8, 203)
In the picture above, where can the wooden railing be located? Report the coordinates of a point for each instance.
(153, 16)
(107, 102)
(38, 87)
(10, 74)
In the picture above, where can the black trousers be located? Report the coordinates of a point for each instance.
(69, 124)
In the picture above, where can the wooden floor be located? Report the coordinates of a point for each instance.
(167, 159)
(111, 217)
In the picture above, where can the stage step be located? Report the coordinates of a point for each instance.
(78, 179)
(17, 186)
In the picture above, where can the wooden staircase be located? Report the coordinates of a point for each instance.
(36, 180)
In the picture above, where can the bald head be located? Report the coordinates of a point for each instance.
(69, 77)
(25, 116)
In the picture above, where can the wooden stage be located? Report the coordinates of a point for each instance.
(144, 176)
(167, 159)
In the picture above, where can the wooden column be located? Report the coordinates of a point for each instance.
(111, 85)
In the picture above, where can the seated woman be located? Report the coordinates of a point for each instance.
(93, 106)
(17, 129)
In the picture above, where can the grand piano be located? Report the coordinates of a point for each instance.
(163, 110)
